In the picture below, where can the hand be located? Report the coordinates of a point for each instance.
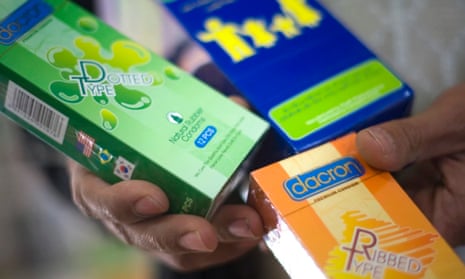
(429, 149)
(134, 212)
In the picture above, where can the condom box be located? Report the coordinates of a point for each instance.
(117, 108)
(340, 218)
(297, 65)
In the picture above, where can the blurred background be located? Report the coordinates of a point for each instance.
(43, 235)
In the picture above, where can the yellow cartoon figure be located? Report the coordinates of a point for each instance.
(256, 29)
(302, 13)
(227, 37)
(285, 25)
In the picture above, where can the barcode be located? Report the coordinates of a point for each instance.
(35, 112)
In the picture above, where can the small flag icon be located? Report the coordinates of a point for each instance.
(85, 143)
(104, 156)
(123, 168)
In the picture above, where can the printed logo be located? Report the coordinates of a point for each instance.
(190, 126)
(94, 80)
(372, 248)
(175, 118)
(303, 186)
(242, 41)
(91, 76)
(22, 20)
(372, 260)
(85, 143)
(123, 169)
(205, 137)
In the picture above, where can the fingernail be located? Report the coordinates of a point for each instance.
(194, 242)
(382, 139)
(147, 206)
(240, 228)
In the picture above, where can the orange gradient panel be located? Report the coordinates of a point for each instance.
(374, 248)
(365, 228)
(313, 234)
(271, 179)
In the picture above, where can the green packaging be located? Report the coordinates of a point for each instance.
(118, 109)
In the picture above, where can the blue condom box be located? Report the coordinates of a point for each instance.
(298, 66)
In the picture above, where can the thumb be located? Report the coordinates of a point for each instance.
(440, 130)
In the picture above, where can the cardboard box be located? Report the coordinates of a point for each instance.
(330, 215)
(117, 108)
(298, 66)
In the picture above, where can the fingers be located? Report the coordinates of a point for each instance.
(237, 222)
(236, 228)
(125, 202)
(440, 130)
(171, 234)
(132, 210)
(183, 234)
(392, 145)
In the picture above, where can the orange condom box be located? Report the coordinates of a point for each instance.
(329, 215)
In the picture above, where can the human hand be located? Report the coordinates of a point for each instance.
(428, 150)
(134, 211)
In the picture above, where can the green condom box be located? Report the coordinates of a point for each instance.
(120, 110)
(299, 67)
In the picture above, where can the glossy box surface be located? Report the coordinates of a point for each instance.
(298, 66)
(118, 109)
(340, 218)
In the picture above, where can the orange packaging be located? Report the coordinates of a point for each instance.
(329, 215)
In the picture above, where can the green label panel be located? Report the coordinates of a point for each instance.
(334, 99)
(117, 108)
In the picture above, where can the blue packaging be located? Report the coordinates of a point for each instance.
(298, 66)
